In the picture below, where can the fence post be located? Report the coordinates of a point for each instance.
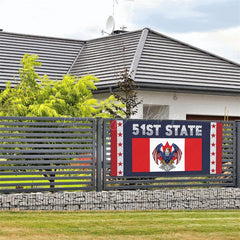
(238, 153)
(99, 154)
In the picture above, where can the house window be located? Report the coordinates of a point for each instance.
(155, 112)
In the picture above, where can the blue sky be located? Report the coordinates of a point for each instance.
(198, 15)
(213, 25)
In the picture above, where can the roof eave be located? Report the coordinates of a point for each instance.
(109, 88)
(189, 89)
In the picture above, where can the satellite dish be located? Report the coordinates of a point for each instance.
(110, 24)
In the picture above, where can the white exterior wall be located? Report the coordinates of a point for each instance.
(181, 104)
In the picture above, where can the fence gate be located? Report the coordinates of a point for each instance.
(226, 178)
(46, 154)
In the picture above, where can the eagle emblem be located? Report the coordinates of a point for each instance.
(167, 156)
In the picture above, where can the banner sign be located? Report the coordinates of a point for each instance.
(162, 148)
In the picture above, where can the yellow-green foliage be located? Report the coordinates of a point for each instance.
(41, 96)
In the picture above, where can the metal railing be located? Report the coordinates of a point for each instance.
(226, 179)
(46, 154)
(74, 154)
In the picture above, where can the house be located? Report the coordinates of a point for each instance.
(175, 80)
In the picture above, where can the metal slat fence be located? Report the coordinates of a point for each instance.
(58, 154)
(46, 154)
(227, 178)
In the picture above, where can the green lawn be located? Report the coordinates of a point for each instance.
(183, 225)
(68, 182)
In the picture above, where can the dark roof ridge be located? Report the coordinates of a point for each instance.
(115, 35)
(138, 53)
(196, 48)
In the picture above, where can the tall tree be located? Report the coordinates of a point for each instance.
(37, 96)
(40, 96)
(127, 94)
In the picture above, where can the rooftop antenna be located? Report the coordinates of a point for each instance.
(114, 2)
(110, 26)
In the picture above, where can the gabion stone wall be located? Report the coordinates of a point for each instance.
(212, 198)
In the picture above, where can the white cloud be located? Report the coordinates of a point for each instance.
(54, 17)
(84, 19)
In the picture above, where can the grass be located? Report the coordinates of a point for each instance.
(28, 181)
(137, 225)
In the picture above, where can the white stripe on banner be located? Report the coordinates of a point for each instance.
(213, 148)
(120, 167)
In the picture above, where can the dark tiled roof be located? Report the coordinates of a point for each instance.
(165, 61)
(106, 57)
(56, 55)
(154, 60)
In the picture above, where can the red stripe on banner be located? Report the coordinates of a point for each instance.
(114, 148)
(193, 154)
(219, 148)
(140, 155)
